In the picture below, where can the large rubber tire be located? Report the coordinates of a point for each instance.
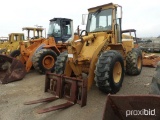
(15, 53)
(155, 84)
(44, 60)
(134, 62)
(109, 72)
(61, 63)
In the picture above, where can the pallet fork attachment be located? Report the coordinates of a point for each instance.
(72, 89)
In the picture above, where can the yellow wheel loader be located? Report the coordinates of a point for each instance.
(12, 43)
(11, 46)
(103, 54)
(14, 47)
(42, 52)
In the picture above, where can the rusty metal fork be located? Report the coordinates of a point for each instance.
(72, 89)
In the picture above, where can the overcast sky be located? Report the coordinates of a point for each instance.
(144, 16)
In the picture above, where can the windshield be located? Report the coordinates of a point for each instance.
(54, 28)
(100, 20)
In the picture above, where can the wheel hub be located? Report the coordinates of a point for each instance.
(48, 62)
(117, 72)
(139, 62)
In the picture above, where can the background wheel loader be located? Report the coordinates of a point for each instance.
(14, 48)
(12, 43)
(42, 52)
(12, 69)
(11, 47)
(101, 53)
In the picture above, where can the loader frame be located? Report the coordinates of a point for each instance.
(98, 52)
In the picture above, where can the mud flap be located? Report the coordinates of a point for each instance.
(132, 107)
(11, 69)
(72, 89)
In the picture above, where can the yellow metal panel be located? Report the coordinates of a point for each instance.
(89, 48)
(128, 44)
(105, 6)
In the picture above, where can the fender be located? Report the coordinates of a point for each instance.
(29, 61)
(53, 47)
(39, 48)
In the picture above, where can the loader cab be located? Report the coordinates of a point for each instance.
(129, 34)
(99, 20)
(13, 37)
(105, 18)
(33, 32)
(61, 29)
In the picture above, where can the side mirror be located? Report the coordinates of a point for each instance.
(119, 11)
(84, 19)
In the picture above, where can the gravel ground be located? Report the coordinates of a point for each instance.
(13, 95)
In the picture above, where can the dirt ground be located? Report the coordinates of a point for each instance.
(13, 95)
